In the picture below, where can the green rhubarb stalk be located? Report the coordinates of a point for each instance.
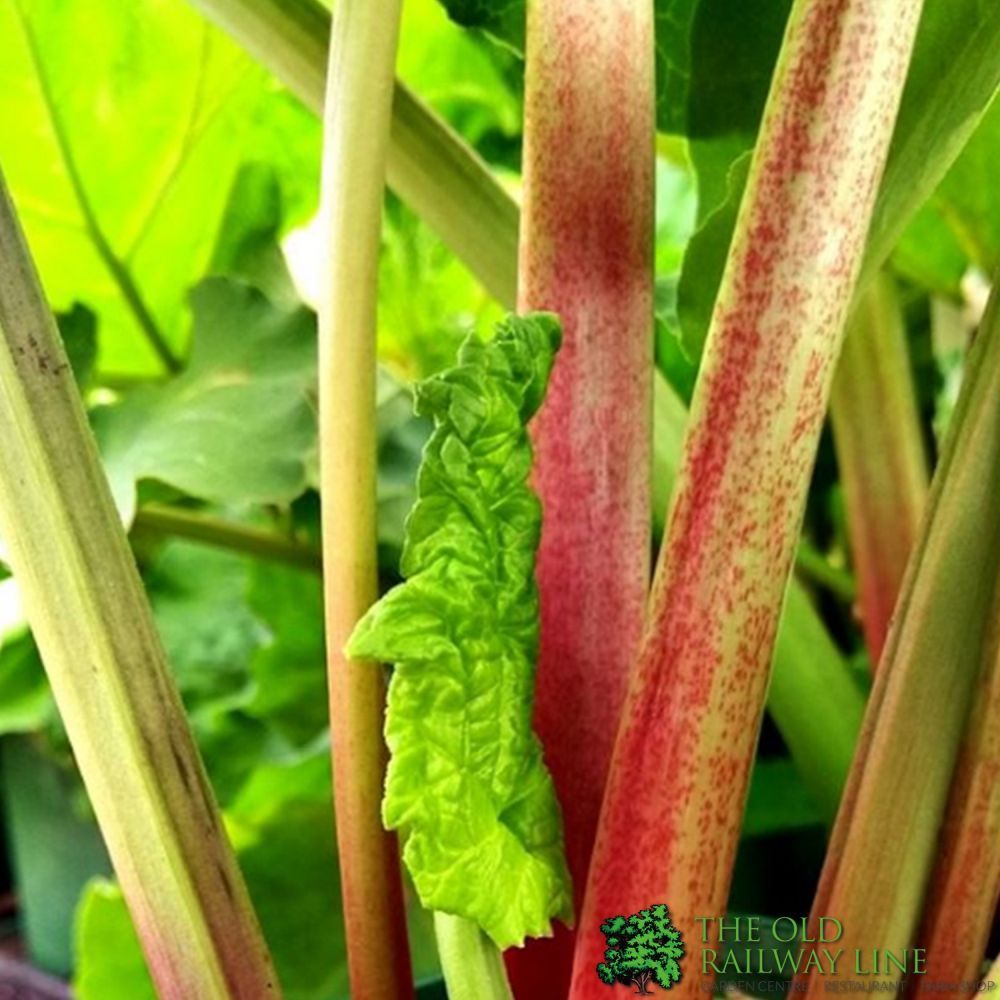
(94, 629)
(473, 965)
(961, 899)
(672, 809)
(466, 785)
(880, 452)
(918, 708)
(669, 423)
(356, 137)
(197, 526)
(428, 164)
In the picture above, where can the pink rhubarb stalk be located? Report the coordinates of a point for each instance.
(586, 254)
(880, 451)
(356, 137)
(671, 815)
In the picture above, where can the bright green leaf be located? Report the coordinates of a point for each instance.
(110, 965)
(466, 781)
(134, 113)
(26, 704)
(968, 199)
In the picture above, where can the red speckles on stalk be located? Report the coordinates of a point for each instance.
(673, 807)
(587, 255)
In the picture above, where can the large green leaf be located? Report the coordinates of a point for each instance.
(212, 634)
(26, 704)
(289, 669)
(929, 254)
(282, 826)
(238, 426)
(120, 129)
(730, 76)
(961, 222)
(467, 81)
(502, 18)
(208, 630)
(427, 298)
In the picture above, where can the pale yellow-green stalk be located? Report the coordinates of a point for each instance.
(356, 136)
(95, 632)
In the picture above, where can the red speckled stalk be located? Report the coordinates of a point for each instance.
(586, 254)
(671, 816)
(880, 451)
(963, 892)
(356, 137)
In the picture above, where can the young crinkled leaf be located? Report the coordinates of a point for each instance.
(466, 783)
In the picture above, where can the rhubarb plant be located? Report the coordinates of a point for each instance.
(497, 666)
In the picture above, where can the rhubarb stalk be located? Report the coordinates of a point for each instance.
(813, 698)
(356, 135)
(672, 810)
(586, 254)
(900, 777)
(90, 617)
(880, 451)
(965, 885)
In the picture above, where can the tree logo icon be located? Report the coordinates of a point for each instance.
(642, 949)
